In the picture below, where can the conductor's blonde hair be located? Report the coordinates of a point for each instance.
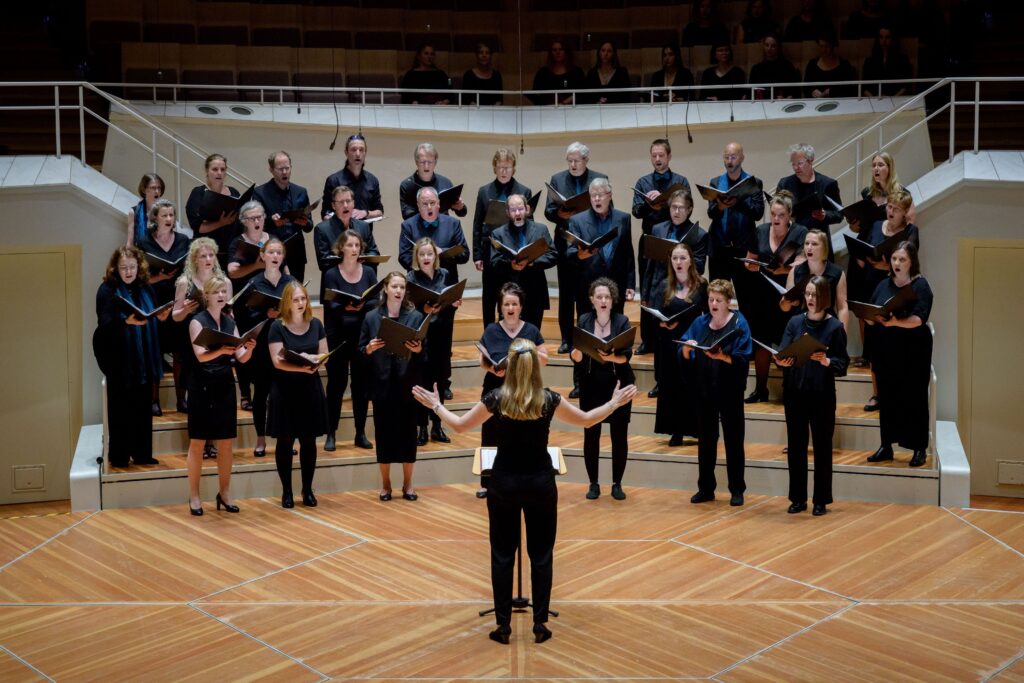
(522, 396)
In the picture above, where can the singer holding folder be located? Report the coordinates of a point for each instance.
(522, 478)
(224, 228)
(809, 389)
(297, 410)
(344, 319)
(211, 395)
(392, 379)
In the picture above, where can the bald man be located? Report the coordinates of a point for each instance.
(732, 221)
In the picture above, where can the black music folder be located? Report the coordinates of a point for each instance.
(214, 339)
(420, 295)
(662, 198)
(370, 259)
(671, 318)
(395, 334)
(800, 350)
(489, 361)
(346, 298)
(859, 249)
(714, 345)
(497, 214)
(302, 361)
(216, 204)
(596, 244)
(865, 212)
(158, 264)
(794, 293)
(741, 190)
(529, 253)
(449, 197)
(134, 310)
(304, 212)
(576, 203)
(900, 301)
(591, 344)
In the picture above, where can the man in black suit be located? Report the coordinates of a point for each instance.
(568, 183)
(278, 196)
(517, 233)
(444, 230)
(364, 185)
(425, 157)
(326, 233)
(648, 188)
(504, 186)
(806, 182)
(732, 221)
(613, 260)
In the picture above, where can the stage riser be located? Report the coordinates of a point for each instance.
(761, 478)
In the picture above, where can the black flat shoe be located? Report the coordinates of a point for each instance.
(481, 492)
(756, 397)
(448, 396)
(147, 461)
(594, 492)
(736, 500)
(196, 512)
(437, 434)
(502, 634)
(287, 501)
(329, 443)
(308, 499)
(642, 350)
(385, 496)
(245, 404)
(362, 441)
(564, 348)
(872, 404)
(182, 407)
(229, 508)
(156, 410)
(575, 393)
(541, 633)
(259, 452)
(617, 492)
(423, 437)
(818, 510)
(918, 459)
(798, 507)
(702, 497)
(653, 393)
(409, 495)
(676, 440)
(881, 455)
(209, 452)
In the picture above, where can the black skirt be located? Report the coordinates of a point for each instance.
(394, 426)
(297, 407)
(211, 406)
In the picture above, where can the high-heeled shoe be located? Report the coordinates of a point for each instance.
(286, 500)
(308, 499)
(259, 452)
(422, 438)
(385, 495)
(757, 396)
(541, 633)
(196, 512)
(502, 634)
(409, 495)
(229, 508)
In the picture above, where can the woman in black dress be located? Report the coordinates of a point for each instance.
(598, 382)
(672, 74)
(344, 322)
(522, 479)
(427, 272)
(297, 409)
(779, 243)
(482, 77)
(684, 291)
(270, 282)
(608, 73)
(884, 182)
(810, 395)
(424, 75)
(224, 229)
(723, 72)
(816, 262)
(827, 69)
(127, 350)
(497, 338)
(559, 73)
(392, 379)
(244, 263)
(886, 63)
(164, 242)
(902, 359)
(211, 391)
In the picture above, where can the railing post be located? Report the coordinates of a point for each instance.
(977, 113)
(858, 150)
(952, 119)
(56, 117)
(81, 122)
(154, 151)
(177, 174)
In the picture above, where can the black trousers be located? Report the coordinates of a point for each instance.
(307, 461)
(129, 422)
(246, 378)
(592, 450)
(508, 497)
(339, 368)
(567, 286)
(820, 412)
(260, 394)
(727, 406)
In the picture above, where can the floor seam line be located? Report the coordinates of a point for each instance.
(978, 528)
(22, 661)
(48, 540)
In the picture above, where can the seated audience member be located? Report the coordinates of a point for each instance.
(756, 23)
(424, 75)
(886, 63)
(672, 74)
(607, 73)
(827, 69)
(774, 68)
(705, 28)
(723, 72)
(559, 73)
(483, 76)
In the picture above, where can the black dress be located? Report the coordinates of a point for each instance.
(211, 390)
(470, 81)
(675, 412)
(170, 331)
(391, 383)
(864, 280)
(619, 79)
(496, 340)
(261, 367)
(734, 76)
(761, 307)
(843, 72)
(432, 79)
(597, 380)
(438, 351)
(683, 78)
(902, 361)
(223, 235)
(297, 407)
(544, 79)
(343, 327)
(522, 484)
(832, 273)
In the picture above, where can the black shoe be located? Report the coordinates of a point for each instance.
(541, 633)
(259, 452)
(286, 500)
(154, 461)
(882, 454)
(362, 441)
(798, 507)
(564, 348)
(448, 396)
(409, 495)
(872, 404)
(653, 393)
(182, 407)
(245, 404)
(481, 492)
(229, 508)
(757, 396)
(308, 499)
(641, 350)
(330, 444)
(575, 393)
(157, 411)
(702, 497)
(676, 440)
(617, 492)
(437, 434)
(818, 510)
(423, 437)
(385, 496)
(736, 500)
(918, 458)
(861, 363)
(209, 451)
(594, 492)
(196, 512)
(502, 634)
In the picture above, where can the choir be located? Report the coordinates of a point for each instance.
(772, 286)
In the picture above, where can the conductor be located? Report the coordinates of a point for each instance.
(522, 479)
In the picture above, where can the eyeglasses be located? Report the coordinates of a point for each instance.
(254, 219)
(128, 268)
(599, 195)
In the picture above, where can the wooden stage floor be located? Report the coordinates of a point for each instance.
(650, 588)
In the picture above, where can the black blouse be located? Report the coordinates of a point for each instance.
(336, 317)
(497, 342)
(164, 289)
(812, 376)
(523, 444)
(220, 366)
(470, 81)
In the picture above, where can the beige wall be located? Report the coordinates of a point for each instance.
(465, 157)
